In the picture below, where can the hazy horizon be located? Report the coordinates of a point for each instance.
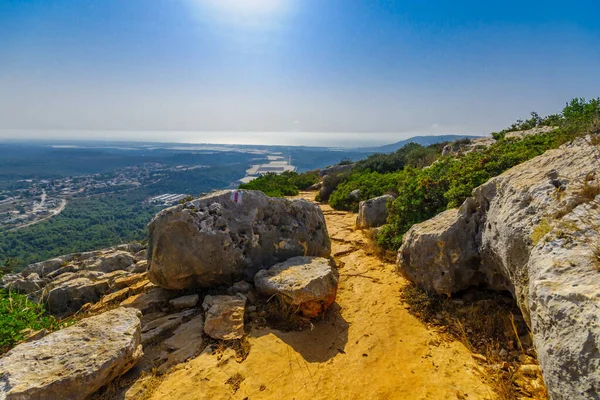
(342, 73)
(317, 139)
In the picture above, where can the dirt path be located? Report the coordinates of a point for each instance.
(367, 346)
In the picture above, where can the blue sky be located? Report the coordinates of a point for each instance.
(345, 71)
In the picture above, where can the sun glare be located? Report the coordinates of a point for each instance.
(249, 6)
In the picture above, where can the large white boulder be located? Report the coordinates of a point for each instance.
(230, 235)
(533, 231)
(74, 362)
(307, 284)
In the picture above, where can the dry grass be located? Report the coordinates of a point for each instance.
(596, 256)
(235, 382)
(149, 381)
(283, 317)
(540, 231)
(373, 248)
(487, 323)
(590, 188)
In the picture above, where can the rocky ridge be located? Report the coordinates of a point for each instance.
(175, 325)
(532, 231)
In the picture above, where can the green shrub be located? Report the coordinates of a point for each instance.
(304, 180)
(286, 184)
(18, 313)
(369, 184)
(412, 154)
(423, 193)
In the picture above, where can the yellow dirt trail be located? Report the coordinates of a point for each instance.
(367, 347)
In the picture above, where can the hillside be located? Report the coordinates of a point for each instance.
(422, 140)
(241, 295)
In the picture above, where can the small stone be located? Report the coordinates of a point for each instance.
(242, 287)
(530, 370)
(185, 301)
(224, 317)
(525, 359)
(154, 299)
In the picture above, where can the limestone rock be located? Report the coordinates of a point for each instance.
(29, 284)
(69, 296)
(224, 317)
(118, 260)
(153, 299)
(128, 280)
(74, 362)
(374, 212)
(185, 301)
(460, 147)
(532, 231)
(185, 342)
(140, 266)
(70, 281)
(534, 131)
(161, 326)
(308, 284)
(336, 169)
(191, 331)
(214, 240)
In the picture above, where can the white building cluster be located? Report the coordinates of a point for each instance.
(168, 199)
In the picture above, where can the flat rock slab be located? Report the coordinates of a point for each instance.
(74, 362)
(161, 326)
(224, 317)
(306, 283)
(185, 343)
(154, 299)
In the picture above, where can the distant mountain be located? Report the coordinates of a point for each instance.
(422, 140)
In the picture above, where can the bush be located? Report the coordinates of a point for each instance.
(304, 180)
(286, 184)
(18, 313)
(369, 184)
(412, 154)
(423, 193)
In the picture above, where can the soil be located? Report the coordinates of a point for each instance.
(367, 346)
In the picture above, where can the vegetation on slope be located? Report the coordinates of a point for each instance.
(17, 314)
(85, 224)
(425, 192)
(426, 183)
(378, 174)
(287, 184)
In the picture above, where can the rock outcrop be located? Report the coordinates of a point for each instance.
(185, 343)
(374, 212)
(74, 362)
(230, 235)
(336, 169)
(466, 146)
(68, 282)
(307, 284)
(529, 132)
(534, 231)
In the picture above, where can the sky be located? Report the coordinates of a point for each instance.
(305, 72)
